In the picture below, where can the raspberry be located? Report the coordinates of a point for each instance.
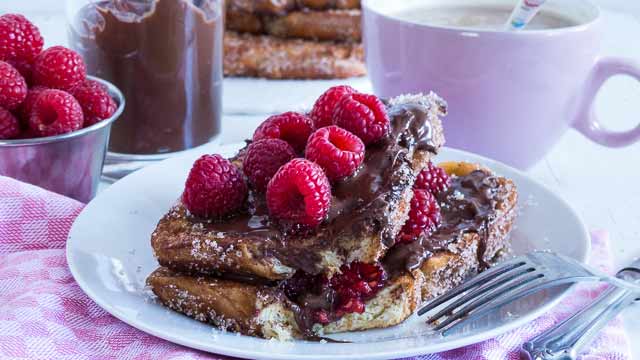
(299, 193)
(321, 317)
(9, 125)
(363, 115)
(95, 101)
(336, 150)
(29, 101)
(55, 112)
(302, 283)
(291, 127)
(302, 286)
(19, 38)
(322, 112)
(355, 284)
(59, 68)
(424, 216)
(264, 158)
(13, 88)
(25, 69)
(433, 179)
(214, 187)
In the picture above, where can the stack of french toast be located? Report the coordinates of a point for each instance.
(293, 39)
(332, 221)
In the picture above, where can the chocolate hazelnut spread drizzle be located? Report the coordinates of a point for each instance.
(467, 206)
(360, 205)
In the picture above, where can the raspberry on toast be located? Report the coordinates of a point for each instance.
(478, 212)
(367, 212)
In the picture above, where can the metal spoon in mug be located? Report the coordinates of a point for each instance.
(523, 13)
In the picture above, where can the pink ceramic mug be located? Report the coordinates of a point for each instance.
(511, 95)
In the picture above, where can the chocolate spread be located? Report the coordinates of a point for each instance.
(166, 57)
(361, 205)
(467, 206)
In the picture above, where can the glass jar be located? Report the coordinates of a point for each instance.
(166, 57)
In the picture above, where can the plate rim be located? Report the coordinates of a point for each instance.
(222, 349)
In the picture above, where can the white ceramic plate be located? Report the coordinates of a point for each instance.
(110, 256)
(263, 96)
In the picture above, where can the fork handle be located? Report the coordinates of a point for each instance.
(564, 341)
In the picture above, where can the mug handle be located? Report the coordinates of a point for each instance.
(587, 122)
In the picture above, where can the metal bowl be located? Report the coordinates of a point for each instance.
(68, 164)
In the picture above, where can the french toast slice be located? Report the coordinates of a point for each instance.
(329, 25)
(478, 212)
(276, 58)
(280, 7)
(366, 214)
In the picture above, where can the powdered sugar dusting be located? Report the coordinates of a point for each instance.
(430, 100)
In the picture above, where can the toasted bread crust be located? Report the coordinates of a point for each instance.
(183, 245)
(397, 301)
(230, 305)
(280, 7)
(276, 58)
(330, 25)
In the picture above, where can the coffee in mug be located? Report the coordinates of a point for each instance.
(480, 17)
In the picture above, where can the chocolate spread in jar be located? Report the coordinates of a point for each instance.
(166, 57)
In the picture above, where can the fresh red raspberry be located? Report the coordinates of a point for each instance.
(25, 68)
(299, 193)
(214, 188)
(291, 127)
(321, 316)
(424, 216)
(95, 101)
(55, 112)
(302, 284)
(336, 150)
(29, 101)
(355, 284)
(264, 158)
(59, 68)
(433, 179)
(19, 38)
(9, 125)
(322, 112)
(363, 115)
(13, 88)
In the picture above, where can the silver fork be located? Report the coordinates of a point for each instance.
(505, 283)
(565, 340)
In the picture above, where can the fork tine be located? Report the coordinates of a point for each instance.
(498, 281)
(491, 305)
(500, 269)
(500, 291)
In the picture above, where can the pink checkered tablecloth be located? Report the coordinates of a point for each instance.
(45, 315)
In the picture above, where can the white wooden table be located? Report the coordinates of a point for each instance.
(602, 184)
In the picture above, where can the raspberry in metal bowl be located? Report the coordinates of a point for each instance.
(69, 163)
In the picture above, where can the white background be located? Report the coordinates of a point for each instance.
(602, 184)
